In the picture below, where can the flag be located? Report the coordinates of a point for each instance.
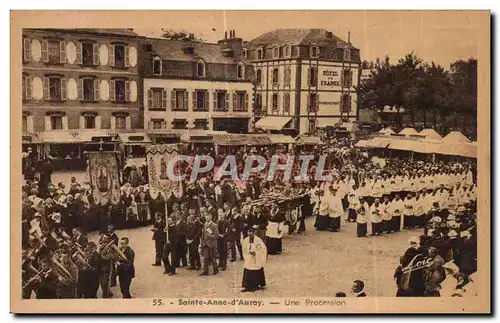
(103, 168)
(157, 158)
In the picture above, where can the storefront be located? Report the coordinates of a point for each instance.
(133, 145)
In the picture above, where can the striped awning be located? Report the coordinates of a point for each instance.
(242, 140)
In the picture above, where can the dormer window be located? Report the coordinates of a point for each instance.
(314, 51)
(288, 51)
(245, 53)
(276, 52)
(347, 54)
(260, 53)
(241, 71)
(157, 66)
(200, 69)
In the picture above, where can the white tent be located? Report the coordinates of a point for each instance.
(408, 131)
(386, 131)
(455, 137)
(430, 134)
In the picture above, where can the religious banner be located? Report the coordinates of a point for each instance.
(158, 157)
(103, 168)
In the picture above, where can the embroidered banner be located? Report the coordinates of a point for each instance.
(158, 157)
(104, 177)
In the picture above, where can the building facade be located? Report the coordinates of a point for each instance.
(195, 85)
(78, 84)
(305, 79)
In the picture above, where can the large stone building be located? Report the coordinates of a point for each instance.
(305, 79)
(196, 85)
(78, 85)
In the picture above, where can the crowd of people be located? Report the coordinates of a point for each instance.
(219, 221)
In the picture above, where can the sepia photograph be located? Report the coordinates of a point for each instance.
(250, 161)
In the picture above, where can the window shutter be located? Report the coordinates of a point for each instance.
(127, 91)
(27, 49)
(98, 122)
(350, 79)
(96, 54)
(150, 98)
(64, 88)
(48, 123)
(172, 100)
(150, 124)
(309, 81)
(80, 89)
(45, 51)
(112, 91)
(247, 107)
(96, 90)
(186, 96)
(278, 101)
(349, 102)
(227, 102)
(29, 88)
(194, 100)
(235, 101)
(112, 55)
(113, 122)
(79, 59)
(214, 93)
(127, 56)
(46, 93)
(317, 103)
(82, 122)
(62, 52)
(308, 102)
(342, 78)
(205, 106)
(128, 122)
(164, 99)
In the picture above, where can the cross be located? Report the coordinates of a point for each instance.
(100, 144)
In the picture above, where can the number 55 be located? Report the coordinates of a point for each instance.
(157, 302)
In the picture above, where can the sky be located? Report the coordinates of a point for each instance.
(439, 36)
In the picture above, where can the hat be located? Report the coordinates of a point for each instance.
(413, 240)
(436, 219)
(452, 234)
(465, 234)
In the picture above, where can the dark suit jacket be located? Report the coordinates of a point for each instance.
(209, 239)
(127, 267)
(159, 234)
(82, 240)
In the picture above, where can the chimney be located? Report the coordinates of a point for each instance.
(349, 37)
(225, 35)
(231, 46)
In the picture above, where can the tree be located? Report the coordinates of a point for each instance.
(463, 76)
(180, 35)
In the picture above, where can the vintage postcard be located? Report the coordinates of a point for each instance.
(250, 162)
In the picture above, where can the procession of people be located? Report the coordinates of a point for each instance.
(220, 221)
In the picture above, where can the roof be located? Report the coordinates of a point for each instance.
(242, 140)
(408, 131)
(296, 37)
(173, 50)
(361, 143)
(103, 31)
(430, 134)
(386, 131)
(464, 149)
(281, 139)
(455, 137)
(378, 142)
(308, 140)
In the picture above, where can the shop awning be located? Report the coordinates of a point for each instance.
(308, 140)
(137, 138)
(31, 138)
(272, 123)
(70, 137)
(362, 143)
(279, 139)
(242, 140)
(378, 142)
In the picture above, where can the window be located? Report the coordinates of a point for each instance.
(241, 71)
(347, 54)
(119, 51)
(89, 121)
(88, 89)
(288, 51)
(88, 54)
(313, 102)
(260, 53)
(346, 78)
(56, 122)
(120, 91)
(240, 101)
(157, 98)
(258, 77)
(345, 103)
(314, 52)
(275, 76)
(334, 55)
(201, 124)
(121, 122)
(179, 100)
(179, 124)
(258, 100)
(313, 76)
(157, 66)
(157, 123)
(200, 100)
(147, 47)
(276, 52)
(275, 102)
(297, 51)
(54, 52)
(53, 88)
(221, 101)
(288, 76)
(25, 123)
(245, 53)
(312, 124)
(286, 103)
(200, 69)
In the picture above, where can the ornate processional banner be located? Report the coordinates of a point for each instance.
(157, 158)
(103, 168)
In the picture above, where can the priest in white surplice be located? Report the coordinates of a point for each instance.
(335, 209)
(255, 255)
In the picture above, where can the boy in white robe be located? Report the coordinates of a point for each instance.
(376, 218)
(335, 210)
